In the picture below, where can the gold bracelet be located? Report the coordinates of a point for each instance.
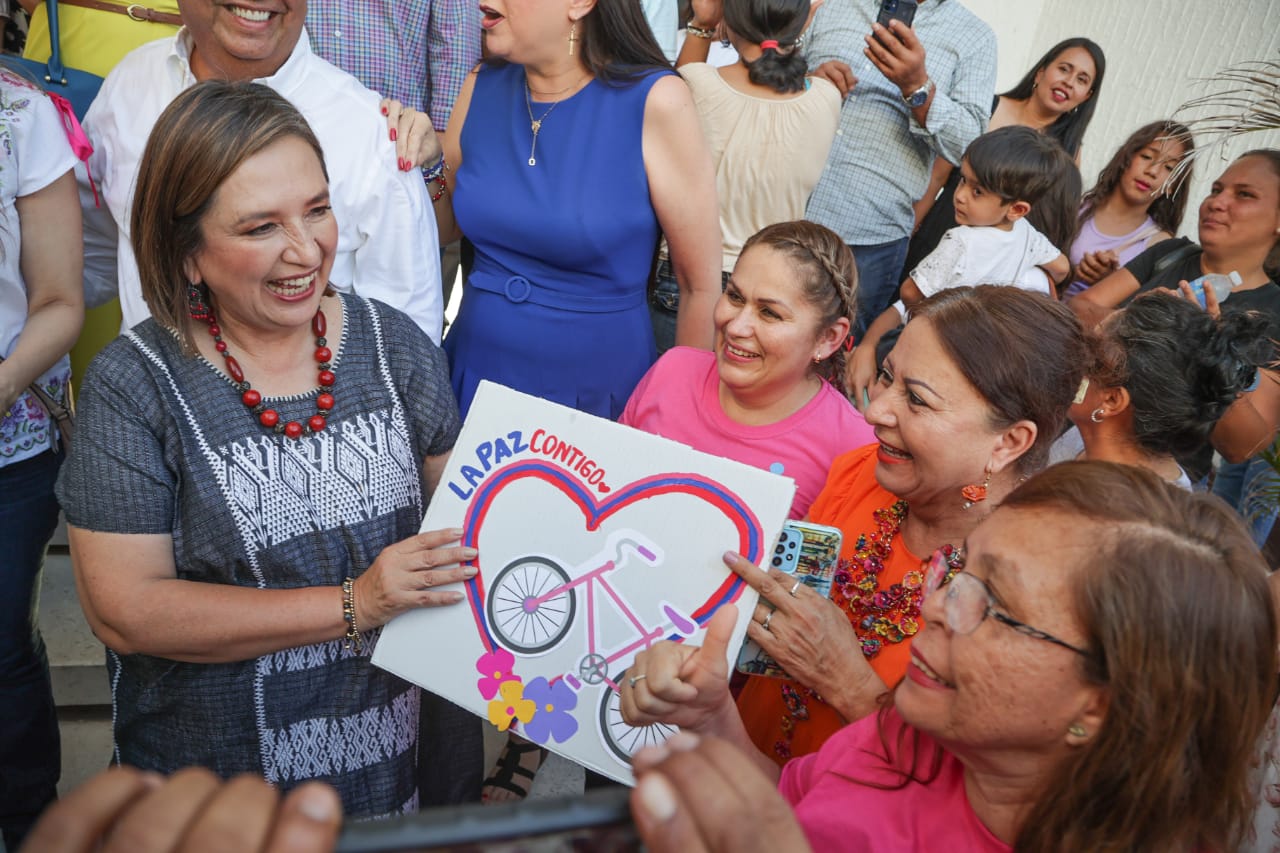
(699, 32)
(353, 641)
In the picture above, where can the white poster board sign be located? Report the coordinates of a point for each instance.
(595, 541)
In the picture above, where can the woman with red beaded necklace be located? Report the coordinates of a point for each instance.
(250, 471)
(956, 430)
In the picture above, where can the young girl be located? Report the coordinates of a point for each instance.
(1130, 208)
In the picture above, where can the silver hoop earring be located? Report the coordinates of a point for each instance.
(1096, 415)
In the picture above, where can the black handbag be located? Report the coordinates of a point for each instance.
(78, 87)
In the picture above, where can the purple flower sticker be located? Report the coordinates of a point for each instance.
(511, 706)
(496, 667)
(552, 719)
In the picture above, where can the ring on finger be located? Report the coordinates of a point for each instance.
(794, 588)
(764, 623)
(633, 679)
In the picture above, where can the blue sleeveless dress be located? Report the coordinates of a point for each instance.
(555, 303)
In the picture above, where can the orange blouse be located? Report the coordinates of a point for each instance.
(848, 501)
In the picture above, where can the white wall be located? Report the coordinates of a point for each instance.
(1155, 49)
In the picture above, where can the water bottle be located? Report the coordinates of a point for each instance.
(1222, 285)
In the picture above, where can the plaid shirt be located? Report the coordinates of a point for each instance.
(416, 51)
(881, 158)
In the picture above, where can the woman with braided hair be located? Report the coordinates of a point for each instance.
(765, 396)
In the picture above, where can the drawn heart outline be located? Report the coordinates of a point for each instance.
(750, 535)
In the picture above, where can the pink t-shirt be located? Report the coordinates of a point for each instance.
(679, 399)
(838, 812)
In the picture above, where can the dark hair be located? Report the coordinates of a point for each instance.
(199, 140)
(1181, 367)
(1056, 214)
(1167, 208)
(830, 281)
(1168, 586)
(617, 44)
(1016, 163)
(1024, 353)
(1069, 127)
(1272, 156)
(781, 68)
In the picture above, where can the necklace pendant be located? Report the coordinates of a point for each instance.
(536, 125)
(532, 162)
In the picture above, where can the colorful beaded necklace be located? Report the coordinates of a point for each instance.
(252, 398)
(879, 616)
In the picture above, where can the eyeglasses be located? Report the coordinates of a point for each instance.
(969, 601)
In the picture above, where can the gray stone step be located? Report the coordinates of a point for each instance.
(76, 658)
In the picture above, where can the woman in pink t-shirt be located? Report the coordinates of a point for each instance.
(1125, 719)
(765, 396)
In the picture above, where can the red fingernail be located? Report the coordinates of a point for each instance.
(384, 110)
(393, 134)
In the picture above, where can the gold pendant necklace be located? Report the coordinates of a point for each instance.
(535, 124)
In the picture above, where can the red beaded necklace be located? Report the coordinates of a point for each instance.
(270, 418)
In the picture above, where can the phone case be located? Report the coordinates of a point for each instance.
(810, 552)
(902, 10)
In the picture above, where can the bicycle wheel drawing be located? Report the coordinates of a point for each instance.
(523, 619)
(624, 740)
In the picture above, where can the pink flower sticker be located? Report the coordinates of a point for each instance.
(511, 706)
(496, 667)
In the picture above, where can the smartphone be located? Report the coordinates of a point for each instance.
(599, 820)
(810, 552)
(899, 10)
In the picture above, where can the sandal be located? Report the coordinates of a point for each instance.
(510, 766)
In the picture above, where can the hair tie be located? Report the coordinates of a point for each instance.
(769, 43)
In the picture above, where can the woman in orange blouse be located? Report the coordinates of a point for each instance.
(969, 401)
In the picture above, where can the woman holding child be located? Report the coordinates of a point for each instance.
(956, 431)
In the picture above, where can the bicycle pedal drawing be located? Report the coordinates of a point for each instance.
(533, 605)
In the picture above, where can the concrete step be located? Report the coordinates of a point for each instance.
(77, 660)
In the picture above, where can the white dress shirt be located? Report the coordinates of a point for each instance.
(387, 241)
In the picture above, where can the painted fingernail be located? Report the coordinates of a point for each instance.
(384, 110)
(469, 571)
(470, 553)
(393, 134)
(657, 798)
(455, 532)
(456, 598)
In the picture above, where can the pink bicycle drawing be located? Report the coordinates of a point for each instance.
(532, 605)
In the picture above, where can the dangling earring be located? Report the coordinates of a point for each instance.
(573, 36)
(976, 494)
(1096, 415)
(1077, 730)
(196, 305)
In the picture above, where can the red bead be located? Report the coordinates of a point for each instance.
(327, 378)
(316, 423)
(293, 429)
(251, 398)
(318, 325)
(324, 401)
(214, 330)
(233, 369)
(269, 418)
(323, 354)
(220, 346)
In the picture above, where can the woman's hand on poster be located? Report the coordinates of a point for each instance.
(704, 794)
(124, 809)
(811, 638)
(417, 143)
(409, 573)
(682, 684)
(1095, 266)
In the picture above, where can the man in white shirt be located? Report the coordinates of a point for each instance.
(387, 240)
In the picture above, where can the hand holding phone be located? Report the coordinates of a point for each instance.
(895, 49)
(896, 10)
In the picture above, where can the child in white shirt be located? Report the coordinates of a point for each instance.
(1003, 174)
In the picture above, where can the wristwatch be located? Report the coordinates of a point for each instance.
(920, 96)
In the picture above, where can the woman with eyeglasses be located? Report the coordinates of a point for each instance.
(956, 427)
(1067, 692)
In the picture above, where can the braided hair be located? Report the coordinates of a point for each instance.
(827, 275)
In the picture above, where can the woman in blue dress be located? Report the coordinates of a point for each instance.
(572, 149)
